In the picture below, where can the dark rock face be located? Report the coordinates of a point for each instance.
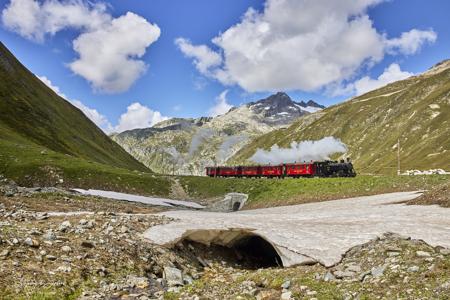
(280, 109)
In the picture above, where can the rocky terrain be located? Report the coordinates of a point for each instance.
(439, 195)
(415, 111)
(186, 146)
(391, 267)
(58, 245)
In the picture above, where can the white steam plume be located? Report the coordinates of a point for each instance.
(201, 135)
(304, 151)
(227, 148)
(176, 156)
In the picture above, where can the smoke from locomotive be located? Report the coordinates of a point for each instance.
(304, 151)
(304, 159)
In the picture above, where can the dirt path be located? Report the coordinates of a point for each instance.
(320, 231)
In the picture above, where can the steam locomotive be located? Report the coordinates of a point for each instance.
(296, 170)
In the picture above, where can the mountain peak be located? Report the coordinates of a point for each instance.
(312, 103)
(280, 109)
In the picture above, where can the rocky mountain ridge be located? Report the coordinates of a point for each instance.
(186, 145)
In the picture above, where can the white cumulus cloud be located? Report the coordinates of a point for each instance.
(110, 49)
(410, 42)
(108, 56)
(222, 106)
(138, 116)
(204, 58)
(33, 19)
(299, 45)
(366, 84)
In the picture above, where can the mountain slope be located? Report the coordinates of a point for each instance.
(32, 116)
(186, 146)
(415, 110)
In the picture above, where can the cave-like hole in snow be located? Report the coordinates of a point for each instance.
(259, 251)
(237, 247)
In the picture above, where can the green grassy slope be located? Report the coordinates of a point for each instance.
(415, 110)
(32, 114)
(276, 192)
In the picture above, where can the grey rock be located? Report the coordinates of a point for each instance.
(188, 279)
(378, 271)
(32, 242)
(445, 251)
(123, 229)
(353, 268)
(343, 274)
(286, 295)
(64, 269)
(83, 222)
(64, 226)
(137, 282)
(413, 269)
(286, 285)
(329, 277)
(49, 236)
(393, 253)
(173, 276)
(422, 254)
(66, 249)
(446, 285)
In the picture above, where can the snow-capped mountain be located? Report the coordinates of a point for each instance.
(279, 109)
(186, 146)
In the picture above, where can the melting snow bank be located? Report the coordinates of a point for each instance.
(322, 232)
(428, 172)
(140, 199)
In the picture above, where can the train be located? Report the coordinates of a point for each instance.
(327, 168)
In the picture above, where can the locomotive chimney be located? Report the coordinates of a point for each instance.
(349, 160)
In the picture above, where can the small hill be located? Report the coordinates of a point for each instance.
(415, 110)
(40, 130)
(186, 146)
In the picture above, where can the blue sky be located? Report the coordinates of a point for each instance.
(276, 47)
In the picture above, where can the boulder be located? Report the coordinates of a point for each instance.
(173, 276)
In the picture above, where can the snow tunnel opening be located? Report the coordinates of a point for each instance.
(239, 248)
(259, 251)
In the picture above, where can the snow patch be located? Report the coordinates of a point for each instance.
(140, 199)
(427, 172)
